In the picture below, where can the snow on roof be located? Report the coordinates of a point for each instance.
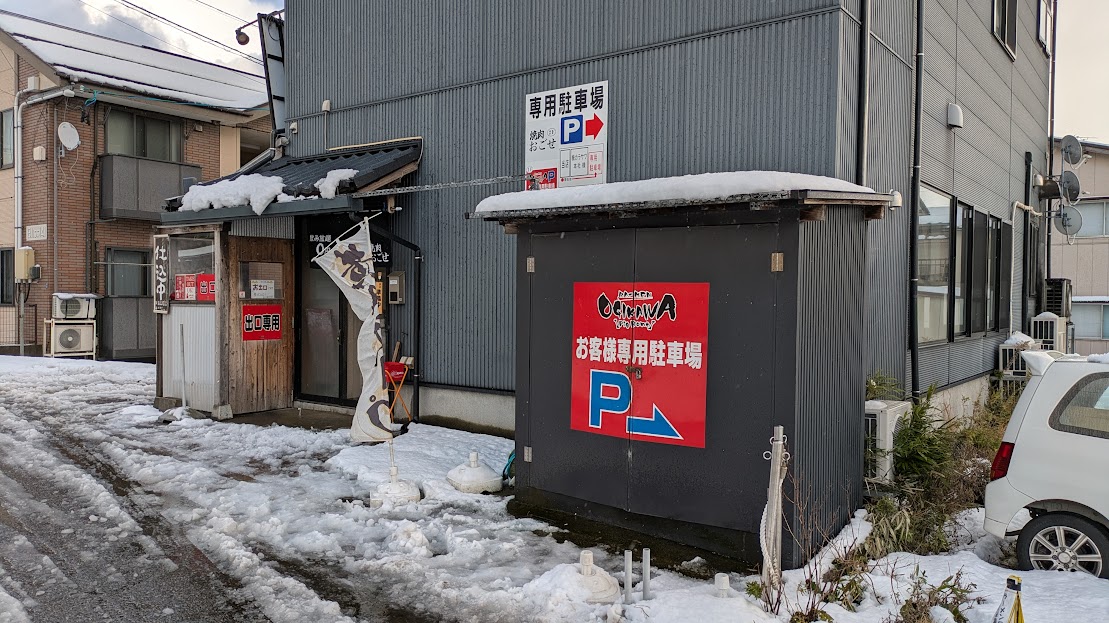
(1090, 299)
(96, 60)
(702, 187)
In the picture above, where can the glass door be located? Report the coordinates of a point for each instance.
(327, 327)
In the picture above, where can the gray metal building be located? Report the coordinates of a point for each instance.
(815, 86)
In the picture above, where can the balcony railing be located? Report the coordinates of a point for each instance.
(136, 188)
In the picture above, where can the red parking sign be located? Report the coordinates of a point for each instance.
(639, 361)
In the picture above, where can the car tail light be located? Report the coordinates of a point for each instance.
(1001, 462)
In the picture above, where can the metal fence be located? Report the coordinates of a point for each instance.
(9, 325)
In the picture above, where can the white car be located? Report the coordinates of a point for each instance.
(1054, 461)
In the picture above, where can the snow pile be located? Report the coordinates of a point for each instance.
(705, 187)
(1047, 316)
(330, 183)
(1018, 338)
(256, 190)
(1102, 358)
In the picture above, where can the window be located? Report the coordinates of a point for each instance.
(965, 269)
(147, 137)
(1046, 24)
(1005, 24)
(192, 268)
(1091, 320)
(128, 272)
(1094, 219)
(7, 138)
(260, 280)
(1084, 410)
(7, 276)
(934, 257)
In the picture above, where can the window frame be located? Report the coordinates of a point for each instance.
(174, 124)
(145, 280)
(1006, 34)
(7, 133)
(1046, 36)
(1064, 402)
(1102, 334)
(7, 286)
(977, 269)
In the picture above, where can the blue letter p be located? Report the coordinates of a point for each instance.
(600, 403)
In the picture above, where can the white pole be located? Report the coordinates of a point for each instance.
(646, 573)
(21, 292)
(627, 576)
(772, 527)
(184, 401)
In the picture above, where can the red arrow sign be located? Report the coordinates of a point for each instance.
(593, 126)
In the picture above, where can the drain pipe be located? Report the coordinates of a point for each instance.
(17, 129)
(914, 205)
(1050, 157)
(862, 154)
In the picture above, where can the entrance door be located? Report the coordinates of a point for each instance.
(260, 344)
(327, 327)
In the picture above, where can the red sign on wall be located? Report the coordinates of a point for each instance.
(638, 366)
(261, 322)
(194, 287)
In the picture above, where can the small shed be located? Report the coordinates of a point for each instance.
(665, 327)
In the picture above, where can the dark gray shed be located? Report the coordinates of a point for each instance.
(769, 289)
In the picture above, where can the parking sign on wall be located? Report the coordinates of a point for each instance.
(567, 135)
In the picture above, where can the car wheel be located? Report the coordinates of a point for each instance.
(1061, 542)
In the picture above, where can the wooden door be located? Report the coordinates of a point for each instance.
(261, 276)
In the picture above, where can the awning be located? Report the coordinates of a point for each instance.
(376, 167)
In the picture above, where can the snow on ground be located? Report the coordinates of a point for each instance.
(11, 610)
(285, 512)
(701, 187)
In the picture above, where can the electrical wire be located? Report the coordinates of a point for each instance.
(215, 8)
(132, 26)
(173, 24)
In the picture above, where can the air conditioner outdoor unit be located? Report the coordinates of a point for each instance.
(73, 307)
(882, 420)
(1051, 331)
(72, 338)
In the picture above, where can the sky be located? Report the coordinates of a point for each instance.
(1082, 69)
(1082, 80)
(112, 18)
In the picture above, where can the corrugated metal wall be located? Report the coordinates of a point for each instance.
(827, 444)
(665, 119)
(730, 86)
(201, 384)
(1004, 104)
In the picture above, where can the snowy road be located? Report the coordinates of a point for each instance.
(76, 544)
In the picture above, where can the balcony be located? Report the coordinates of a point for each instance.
(136, 188)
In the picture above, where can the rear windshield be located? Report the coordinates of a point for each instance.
(1084, 410)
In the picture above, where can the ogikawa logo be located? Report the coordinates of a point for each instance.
(637, 309)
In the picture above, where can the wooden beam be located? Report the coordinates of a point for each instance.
(817, 213)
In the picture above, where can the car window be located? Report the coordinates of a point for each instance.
(1084, 409)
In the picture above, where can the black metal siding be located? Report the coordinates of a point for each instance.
(827, 442)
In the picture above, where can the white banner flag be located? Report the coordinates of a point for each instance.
(349, 263)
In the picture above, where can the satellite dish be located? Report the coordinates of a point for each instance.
(68, 135)
(1072, 149)
(1069, 221)
(1070, 188)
